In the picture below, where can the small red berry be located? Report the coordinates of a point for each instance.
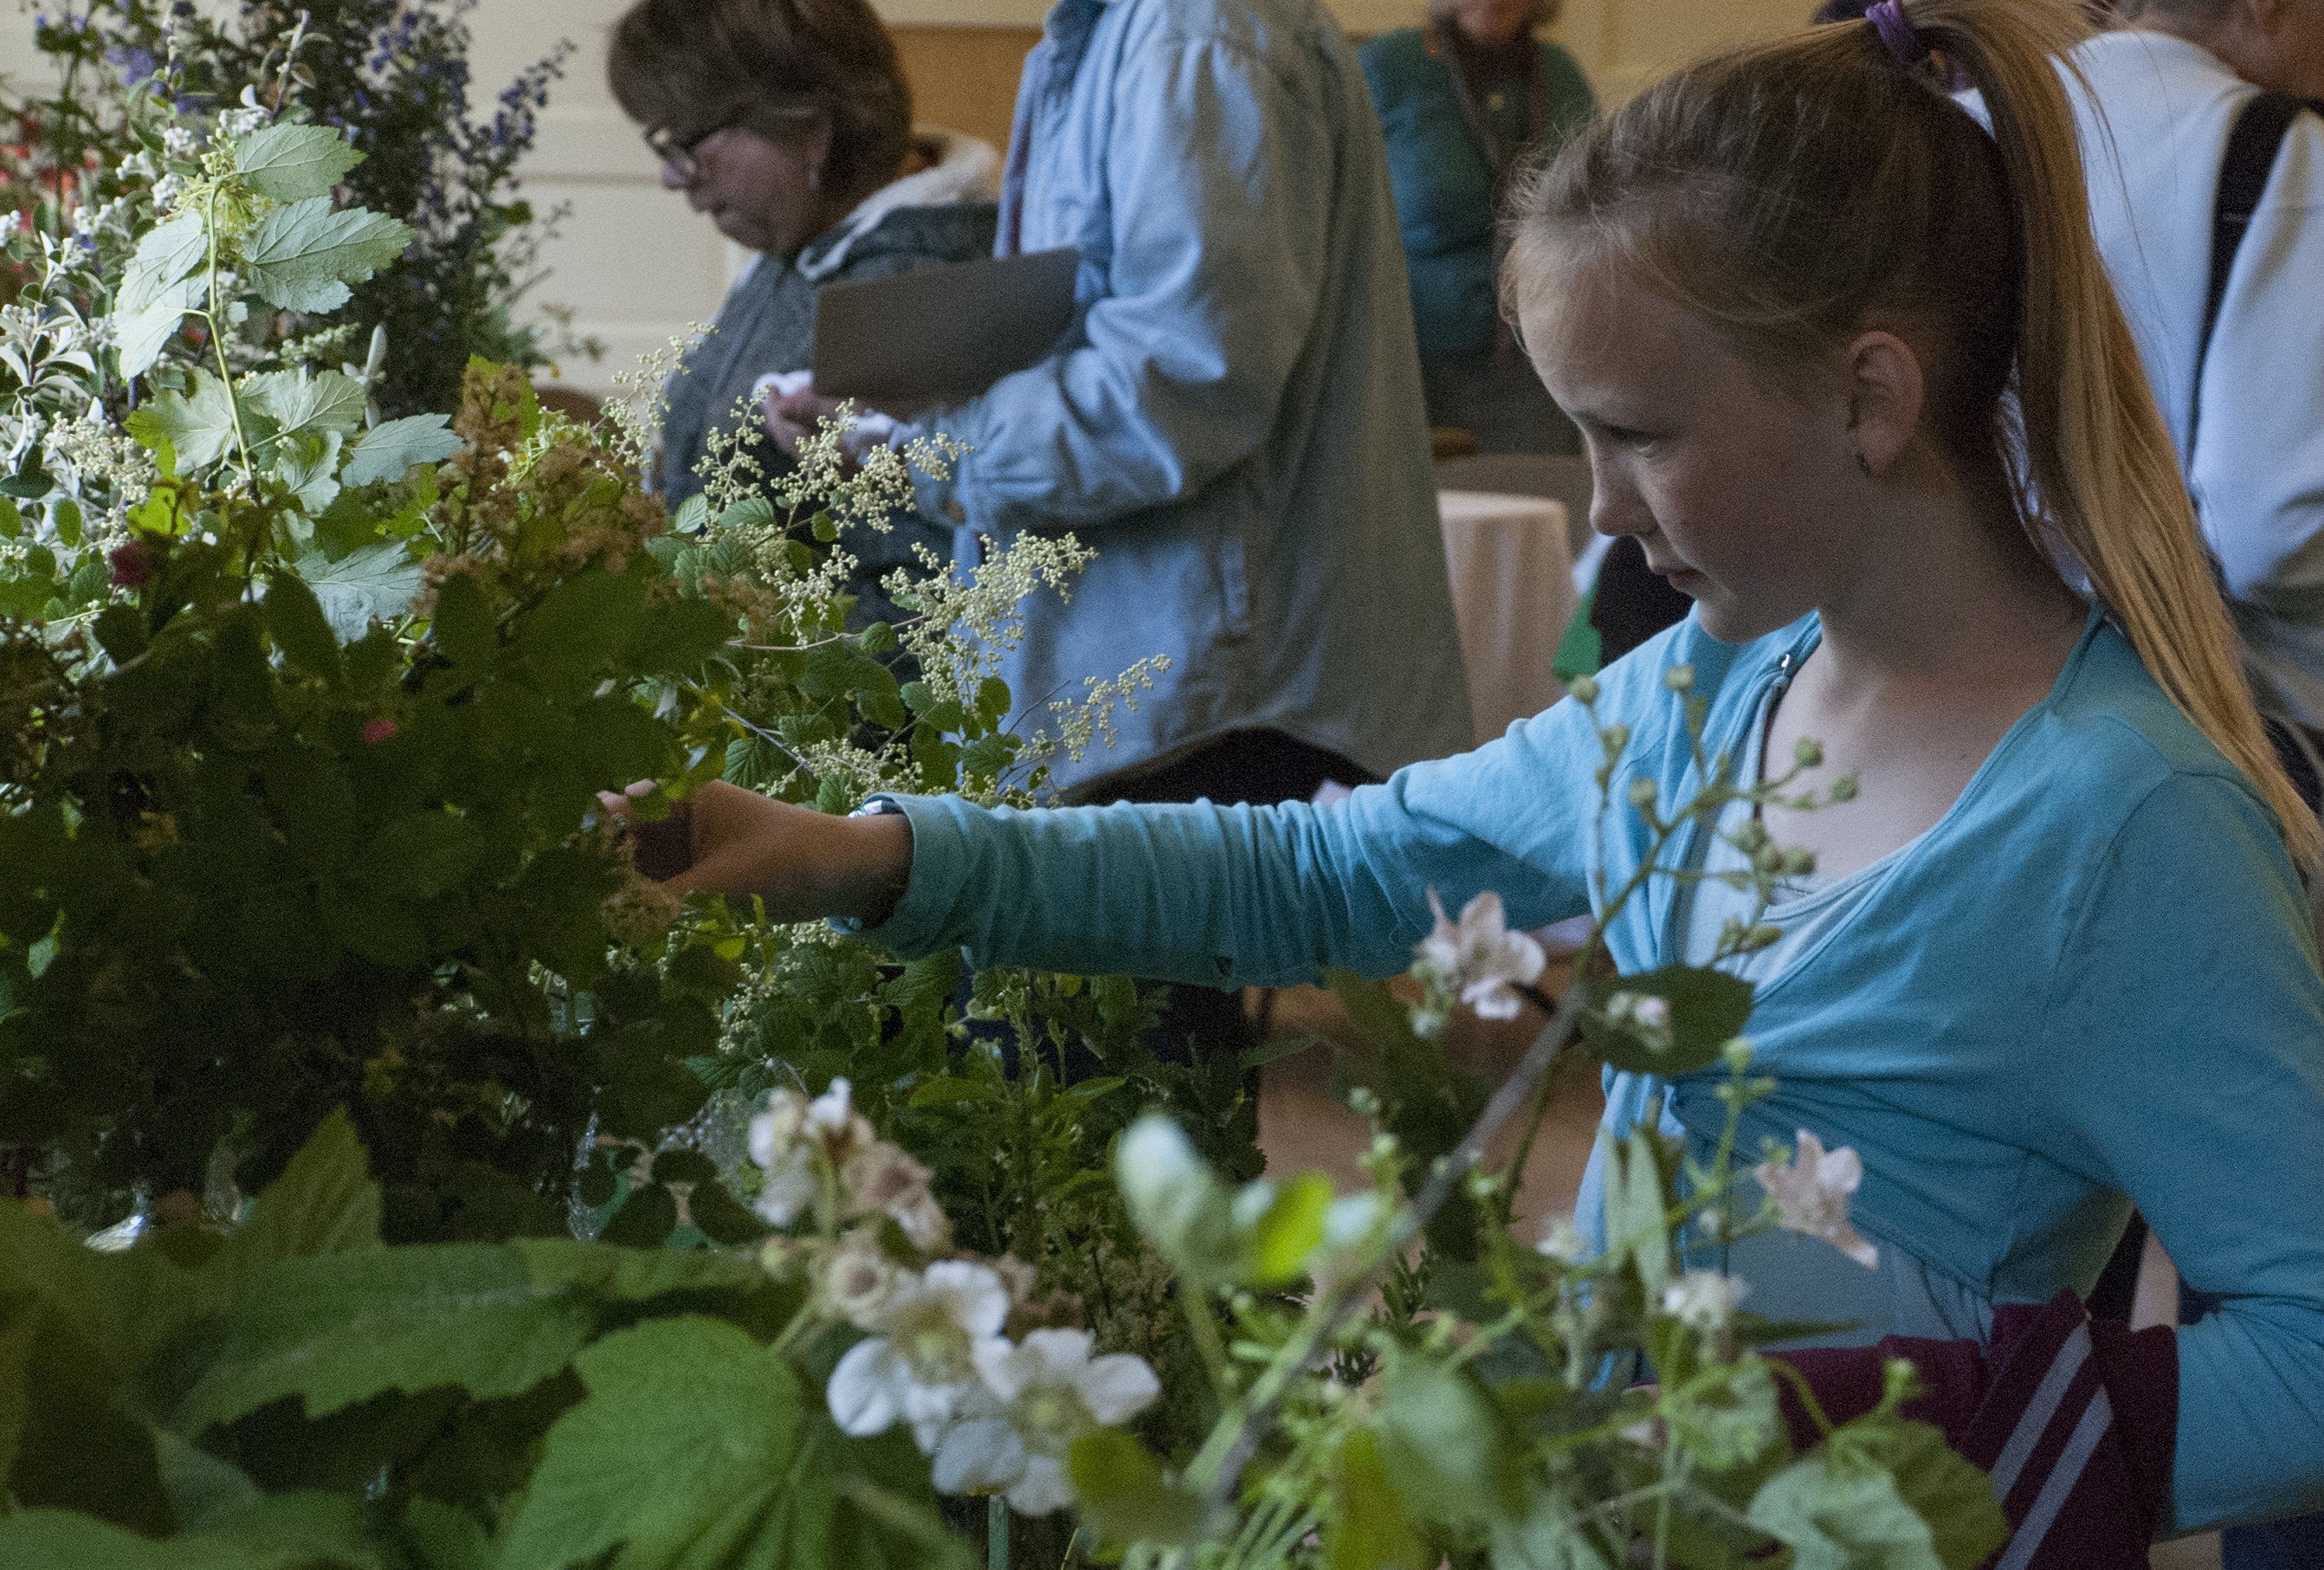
(378, 730)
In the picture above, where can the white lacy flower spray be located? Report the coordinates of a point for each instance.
(1811, 1191)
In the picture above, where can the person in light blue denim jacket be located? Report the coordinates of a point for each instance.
(1234, 421)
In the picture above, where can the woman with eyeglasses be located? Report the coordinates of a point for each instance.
(788, 122)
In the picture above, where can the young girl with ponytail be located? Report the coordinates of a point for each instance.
(1848, 368)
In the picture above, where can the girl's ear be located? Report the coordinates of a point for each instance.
(1885, 393)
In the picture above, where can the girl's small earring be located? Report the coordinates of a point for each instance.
(1865, 464)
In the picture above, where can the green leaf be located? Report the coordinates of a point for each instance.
(1546, 1537)
(387, 450)
(1373, 1531)
(299, 400)
(1636, 1211)
(374, 584)
(421, 853)
(294, 164)
(705, 1403)
(43, 1539)
(324, 1203)
(1125, 1496)
(648, 1215)
(1949, 1493)
(307, 464)
(463, 627)
(304, 255)
(1275, 1253)
(446, 1538)
(167, 254)
(1708, 1008)
(140, 335)
(295, 621)
(200, 428)
(629, 1275)
(1843, 1519)
(339, 1328)
(1441, 1434)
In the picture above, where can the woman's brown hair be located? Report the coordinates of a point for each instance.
(696, 65)
(1794, 191)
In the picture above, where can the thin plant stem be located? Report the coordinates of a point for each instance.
(996, 1533)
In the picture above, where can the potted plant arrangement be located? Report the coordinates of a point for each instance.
(333, 1014)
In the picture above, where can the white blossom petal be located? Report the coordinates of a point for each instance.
(983, 1455)
(863, 1388)
(1043, 1489)
(1117, 1387)
(1811, 1195)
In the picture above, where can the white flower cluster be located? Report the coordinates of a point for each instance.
(821, 1155)
(1812, 1193)
(995, 1416)
(1477, 958)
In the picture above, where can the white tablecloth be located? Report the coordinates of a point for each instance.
(1512, 596)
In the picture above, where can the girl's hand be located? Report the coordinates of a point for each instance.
(804, 864)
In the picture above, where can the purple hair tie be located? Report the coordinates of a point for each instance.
(1895, 31)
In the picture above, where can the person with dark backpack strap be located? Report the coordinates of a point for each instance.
(2207, 193)
(2204, 152)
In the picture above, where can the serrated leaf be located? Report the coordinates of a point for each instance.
(632, 1276)
(324, 1203)
(67, 1540)
(336, 1329)
(709, 1405)
(294, 163)
(304, 255)
(167, 254)
(299, 400)
(1842, 1519)
(307, 464)
(200, 428)
(376, 583)
(140, 335)
(387, 450)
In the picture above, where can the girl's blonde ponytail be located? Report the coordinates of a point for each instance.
(1791, 190)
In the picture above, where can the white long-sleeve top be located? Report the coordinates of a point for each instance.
(2257, 467)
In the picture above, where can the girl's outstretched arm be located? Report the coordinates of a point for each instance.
(804, 864)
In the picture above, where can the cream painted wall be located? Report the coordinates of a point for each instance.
(637, 266)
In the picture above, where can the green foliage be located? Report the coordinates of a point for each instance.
(396, 76)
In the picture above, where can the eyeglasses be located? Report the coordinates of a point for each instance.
(678, 150)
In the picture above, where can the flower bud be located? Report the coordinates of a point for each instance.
(1737, 1053)
(1583, 689)
(1615, 737)
(1798, 862)
(1642, 792)
(1807, 754)
(1679, 677)
(1843, 788)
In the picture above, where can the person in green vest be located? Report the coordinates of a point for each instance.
(1465, 99)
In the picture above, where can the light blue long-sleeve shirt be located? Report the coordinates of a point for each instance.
(1234, 420)
(2092, 984)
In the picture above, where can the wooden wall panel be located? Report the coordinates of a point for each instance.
(966, 78)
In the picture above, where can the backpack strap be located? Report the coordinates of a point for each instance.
(2259, 130)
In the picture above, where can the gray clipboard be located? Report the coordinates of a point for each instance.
(940, 334)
